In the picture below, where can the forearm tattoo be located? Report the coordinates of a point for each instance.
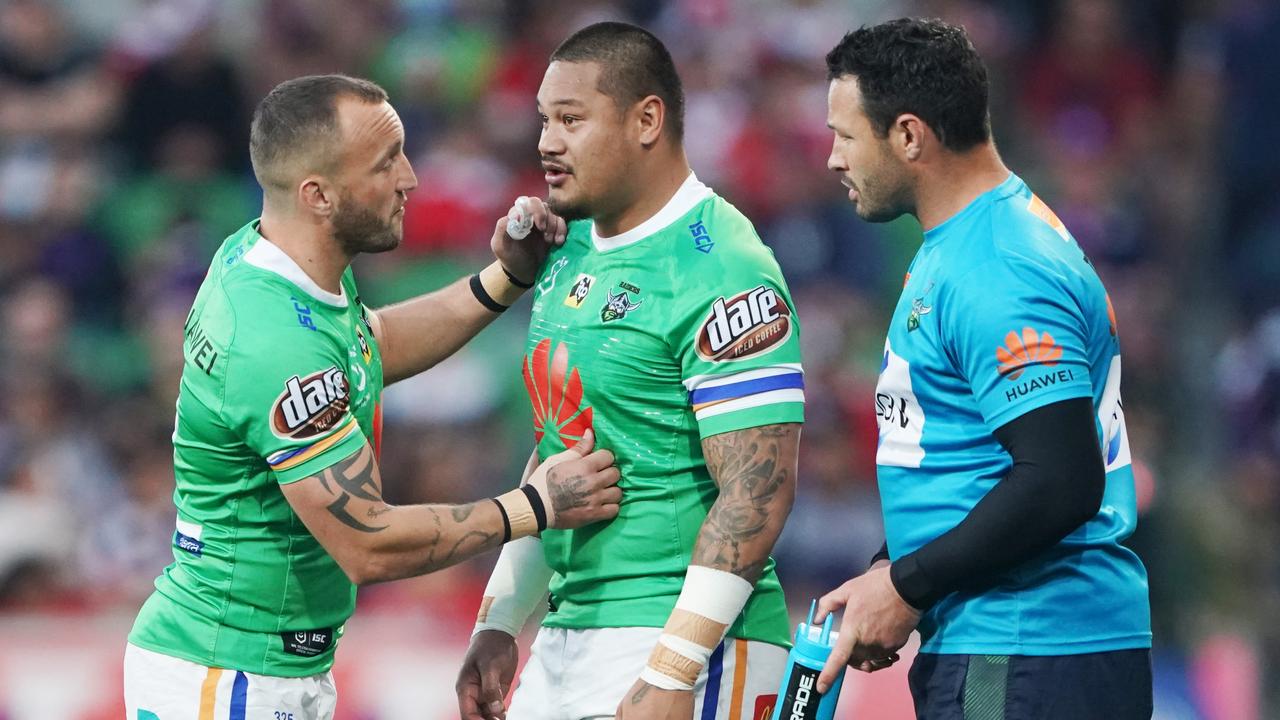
(441, 553)
(354, 477)
(755, 469)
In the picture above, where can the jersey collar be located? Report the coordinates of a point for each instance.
(266, 255)
(691, 192)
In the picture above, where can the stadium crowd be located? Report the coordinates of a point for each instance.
(1151, 127)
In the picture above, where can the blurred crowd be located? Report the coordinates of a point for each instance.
(1150, 126)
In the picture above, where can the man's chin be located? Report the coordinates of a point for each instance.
(567, 208)
(876, 215)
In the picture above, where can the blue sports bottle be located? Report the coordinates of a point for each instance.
(798, 697)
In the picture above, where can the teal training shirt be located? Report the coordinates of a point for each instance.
(1001, 314)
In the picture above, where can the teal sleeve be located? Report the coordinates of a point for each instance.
(1018, 334)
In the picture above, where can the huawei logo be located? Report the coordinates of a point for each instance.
(1031, 348)
(555, 391)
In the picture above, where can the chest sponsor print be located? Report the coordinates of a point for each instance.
(748, 324)
(555, 391)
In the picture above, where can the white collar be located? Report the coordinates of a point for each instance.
(691, 192)
(266, 255)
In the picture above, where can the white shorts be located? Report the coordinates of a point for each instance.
(579, 674)
(160, 687)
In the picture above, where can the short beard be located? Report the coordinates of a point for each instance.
(569, 211)
(897, 203)
(360, 230)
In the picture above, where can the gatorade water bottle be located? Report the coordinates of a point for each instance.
(798, 697)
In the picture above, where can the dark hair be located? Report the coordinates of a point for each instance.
(923, 67)
(301, 116)
(633, 65)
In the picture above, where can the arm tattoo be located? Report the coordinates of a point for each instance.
(755, 469)
(353, 477)
(470, 542)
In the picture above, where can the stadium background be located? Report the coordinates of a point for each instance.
(1150, 126)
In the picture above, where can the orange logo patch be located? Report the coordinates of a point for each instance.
(1042, 211)
(1111, 315)
(1021, 351)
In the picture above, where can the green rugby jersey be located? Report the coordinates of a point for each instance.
(281, 379)
(679, 329)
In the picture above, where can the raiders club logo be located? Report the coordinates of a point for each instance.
(748, 324)
(310, 406)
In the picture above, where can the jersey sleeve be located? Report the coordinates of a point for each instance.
(738, 343)
(287, 396)
(1019, 336)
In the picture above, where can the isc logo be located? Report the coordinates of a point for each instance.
(750, 323)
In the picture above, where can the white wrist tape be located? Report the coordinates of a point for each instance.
(714, 594)
(709, 603)
(518, 227)
(516, 587)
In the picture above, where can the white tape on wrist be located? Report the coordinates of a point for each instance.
(709, 603)
(516, 587)
(658, 680)
(714, 594)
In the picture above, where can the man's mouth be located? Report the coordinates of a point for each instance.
(555, 174)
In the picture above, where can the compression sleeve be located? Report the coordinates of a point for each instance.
(1055, 485)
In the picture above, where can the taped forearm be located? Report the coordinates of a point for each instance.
(516, 587)
(709, 603)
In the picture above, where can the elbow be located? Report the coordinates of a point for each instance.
(366, 569)
(1087, 500)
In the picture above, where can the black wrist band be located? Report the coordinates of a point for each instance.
(514, 280)
(477, 289)
(539, 509)
(506, 522)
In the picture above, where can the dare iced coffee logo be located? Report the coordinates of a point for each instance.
(311, 405)
(748, 324)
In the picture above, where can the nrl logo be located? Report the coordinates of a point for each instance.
(617, 306)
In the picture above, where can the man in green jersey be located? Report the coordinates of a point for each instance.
(279, 499)
(664, 324)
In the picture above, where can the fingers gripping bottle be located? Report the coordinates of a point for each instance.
(798, 697)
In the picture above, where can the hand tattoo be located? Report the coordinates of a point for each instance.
(638, 697)
(755, 469)
(569, 493)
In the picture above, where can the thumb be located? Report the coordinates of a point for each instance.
(582, 448)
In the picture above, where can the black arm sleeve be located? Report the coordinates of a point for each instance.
(1054, 487)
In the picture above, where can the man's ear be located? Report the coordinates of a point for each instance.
(651, 118)
(910, 137)
(317, 195)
